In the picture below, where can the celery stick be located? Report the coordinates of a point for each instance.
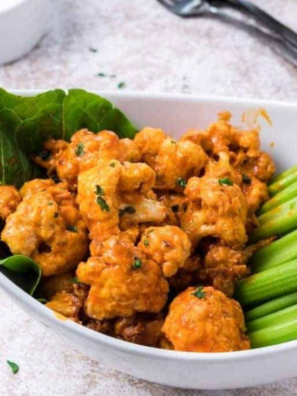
(280, 221)
(284, 196)
(274, 335)
(271, 306)
(279, 185)
(268, 284)
(281, 317)
(284, 174)
(278, 252)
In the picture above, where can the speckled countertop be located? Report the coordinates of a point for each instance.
(149, 50)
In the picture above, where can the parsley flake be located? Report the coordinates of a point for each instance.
(182, 182)
(79, 149)
(71, 228)
(122, 85)
(76, 281)
(44, 155)
(42, 300)
(101, 74)
(226, 182)
(127, 210)
(137, 264)
(146, 242)
(14, 367)
(175, 208)
(246, 179)
(199, 293)
(102, 203)
(113, 164)
(94, 50)
(99, 190)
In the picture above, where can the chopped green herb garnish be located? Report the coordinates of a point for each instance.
(199, 293)
(56, 214)
(182, 182)
(71, 228)
(14, 367)
(137, 263)
(173, 141)
(91, 49)
(113, 164)
(121, 85)
(75, 280)
(42, 300)
(146, 242)
(226, 182)
(44, 155)
(79, 149)
(102, 203)
(175, 208)
(50, 203)
(101, 74)
(127, 210)
(246, 179)
(99, 190)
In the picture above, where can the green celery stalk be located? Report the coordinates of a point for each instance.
(283, 196)
(284, 174)
(278, 252)
(280, 221)
(268, 284)
(274, 335)
(271, 306)
(281, 184)
(277, 318)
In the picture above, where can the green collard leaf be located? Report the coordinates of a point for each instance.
(23, 271)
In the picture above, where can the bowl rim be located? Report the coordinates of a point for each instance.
(161, 354)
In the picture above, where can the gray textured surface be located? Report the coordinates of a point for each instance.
(150, 50)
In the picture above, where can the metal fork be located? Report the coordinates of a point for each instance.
(269, 29)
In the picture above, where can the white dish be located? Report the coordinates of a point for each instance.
(22, 24)
(176, 114)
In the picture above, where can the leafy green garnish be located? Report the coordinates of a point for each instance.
(226, 182)
(27, 122)
(101, 74)
(76, 280)
(103, 204)
(182, 182)
(91, 49)
(14, 367)
(146, 242)
(199, 293)
(72, 228)
(23, 271)
(113, 164)
(121, 85)
(136, 264)
(246, 179)
(99, 190)
(42, 300)
(79, 149)
(127, 210)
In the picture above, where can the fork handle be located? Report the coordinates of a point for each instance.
(275, 27)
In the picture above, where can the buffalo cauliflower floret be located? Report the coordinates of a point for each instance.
(49, 229)
(174, 162)
(168, 246)
(84, 152)
(114, 192)
(123, 281)
(216, 208)
(9, 200)
(223, 267)
(205, 320)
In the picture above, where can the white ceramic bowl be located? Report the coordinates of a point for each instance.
(22, 24)
(176, 114)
